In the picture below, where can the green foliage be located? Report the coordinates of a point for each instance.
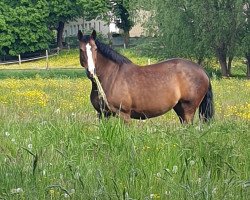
(122, 13)
(23, 27)
(26, 26)
(62, 10)
(93, 8)
(67, 10)
(244, 40)
(196, 29)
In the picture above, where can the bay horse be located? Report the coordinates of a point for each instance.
(144, 92)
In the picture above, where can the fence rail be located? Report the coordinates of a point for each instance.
(20, 60)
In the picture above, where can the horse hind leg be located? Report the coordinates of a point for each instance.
(185, 111)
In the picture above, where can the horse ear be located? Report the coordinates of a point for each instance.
(80, 35)
(93, 35)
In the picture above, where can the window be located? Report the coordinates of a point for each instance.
(71, 30)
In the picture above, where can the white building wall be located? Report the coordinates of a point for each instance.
(71, 28)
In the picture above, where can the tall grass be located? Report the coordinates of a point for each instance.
(53, 147)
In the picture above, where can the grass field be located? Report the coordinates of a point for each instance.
(53, 147)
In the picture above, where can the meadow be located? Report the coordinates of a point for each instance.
(53, 146)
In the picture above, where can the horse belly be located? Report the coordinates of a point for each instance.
(152, 109)
(148, 114)
(153, 104)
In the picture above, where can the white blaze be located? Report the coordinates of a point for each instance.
(91, 65)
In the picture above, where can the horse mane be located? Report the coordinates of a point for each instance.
(108, 52)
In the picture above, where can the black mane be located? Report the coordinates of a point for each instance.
(108, 52)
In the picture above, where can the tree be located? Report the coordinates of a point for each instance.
(23, 26)
(123, 20)
(62, 11)
(245, 42)
(198, 28)
(222, 25)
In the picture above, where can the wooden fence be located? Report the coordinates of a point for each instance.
(20, 60)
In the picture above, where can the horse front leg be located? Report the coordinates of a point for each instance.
(103, 114)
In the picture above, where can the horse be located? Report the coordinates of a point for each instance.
(136, 92)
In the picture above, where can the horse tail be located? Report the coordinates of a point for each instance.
(206, 108)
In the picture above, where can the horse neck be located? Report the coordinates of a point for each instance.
(105, 68)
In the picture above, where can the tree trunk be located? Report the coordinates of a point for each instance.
(248, 64)
(222, 57)
(126, 39)
(229, 65)
(200, 60)
(59, 38)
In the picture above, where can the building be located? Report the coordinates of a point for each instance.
(71, 28)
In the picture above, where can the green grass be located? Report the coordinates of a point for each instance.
(43, 73)
(65, 59)
(52, 146)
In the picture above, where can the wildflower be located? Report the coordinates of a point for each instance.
(192, 162)
(43, 122)
(66, 195)
(52, 192)
(29, 146)
(214, 191)
(175, 169)
(44, 172)
(57, 111)
(16, 190)
(61, 176)
(199, 181)
(7, 134)
(77, 175)
(154, 196)
(158, 175)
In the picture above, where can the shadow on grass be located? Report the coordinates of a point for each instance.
(237, 73)
(42, 73)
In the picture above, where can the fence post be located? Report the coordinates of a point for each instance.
(19, 59)
(47, 59)
(149, 61)
(57, 50)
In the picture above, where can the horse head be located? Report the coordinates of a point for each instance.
(88, 51)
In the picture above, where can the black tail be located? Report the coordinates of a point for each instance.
(206, 108)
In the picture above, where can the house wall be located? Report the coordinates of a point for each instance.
(71, 28)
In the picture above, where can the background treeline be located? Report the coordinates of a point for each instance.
(31, 25)
(200, 29)
(195, 29)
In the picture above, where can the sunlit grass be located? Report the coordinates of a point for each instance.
(65, 59)
(53, 147)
